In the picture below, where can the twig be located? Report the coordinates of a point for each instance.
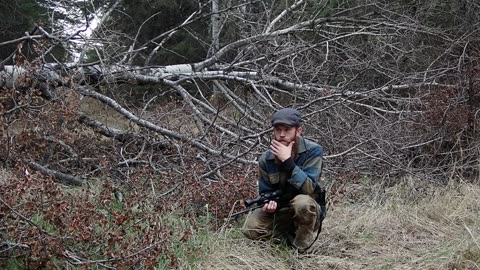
(28, 37)
(233, 98)
(126, 162)
(77, 260)
(169, 191)
(230, 161)
(24, 218)
(347, 151)
(8, 248)
(282, 15)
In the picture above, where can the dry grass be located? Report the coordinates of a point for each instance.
(404, 227)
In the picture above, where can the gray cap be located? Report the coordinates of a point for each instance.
(287, 116)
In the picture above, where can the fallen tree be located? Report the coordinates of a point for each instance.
(373, 92)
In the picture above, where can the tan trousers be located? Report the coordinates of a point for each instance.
(299, 222)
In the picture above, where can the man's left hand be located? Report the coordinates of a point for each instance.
(282, 152)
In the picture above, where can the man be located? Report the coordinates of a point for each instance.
(292, 165)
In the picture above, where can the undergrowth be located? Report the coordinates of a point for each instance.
(51, 226)
(370, 225)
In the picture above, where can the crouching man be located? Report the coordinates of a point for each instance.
(293, 165)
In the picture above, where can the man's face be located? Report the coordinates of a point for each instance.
(285, 134)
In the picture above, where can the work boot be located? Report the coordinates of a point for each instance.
(304, 237)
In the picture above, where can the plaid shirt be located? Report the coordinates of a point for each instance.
(303, 179)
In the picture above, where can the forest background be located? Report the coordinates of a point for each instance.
(131, 130)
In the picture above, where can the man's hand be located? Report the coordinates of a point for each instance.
(270, 207)
(281, 151)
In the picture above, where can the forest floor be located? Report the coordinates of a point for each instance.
(413, 224)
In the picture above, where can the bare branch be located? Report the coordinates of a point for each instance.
(62, 177)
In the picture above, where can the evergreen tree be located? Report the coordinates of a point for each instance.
(142, 21)
(18, 17)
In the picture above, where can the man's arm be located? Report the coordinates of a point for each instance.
(264, 184)
(305, 178)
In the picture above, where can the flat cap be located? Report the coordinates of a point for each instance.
(287, 116)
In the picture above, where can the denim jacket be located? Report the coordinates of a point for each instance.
(303, 179)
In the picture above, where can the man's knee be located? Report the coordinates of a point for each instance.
(256, 226)
(305, 207)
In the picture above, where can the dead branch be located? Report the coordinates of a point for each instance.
(149, 125)
(216, 169)
(62, 177)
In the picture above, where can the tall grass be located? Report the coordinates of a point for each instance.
(407, 226)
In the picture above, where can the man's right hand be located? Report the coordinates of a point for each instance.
(270, 207)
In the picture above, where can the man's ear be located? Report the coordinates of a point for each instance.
(299, 131)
